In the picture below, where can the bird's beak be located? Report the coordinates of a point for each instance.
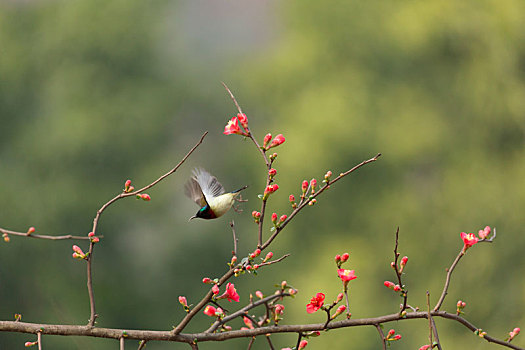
(193, 217)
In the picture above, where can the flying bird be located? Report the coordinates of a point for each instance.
(204, 189)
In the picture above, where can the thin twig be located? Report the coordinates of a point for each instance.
(93, 315)
(438, 344)
(122, 343)
(235, 240)
(299, 336)
(250, 344)
(429, 320)
(404, 292)
(447, 281)
(39, 340)
(52, 238)
(142, 344)
(381, 335)
(321, 190)
(194, 346)
(270, 342)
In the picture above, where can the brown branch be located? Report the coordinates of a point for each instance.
(447, 281)
(404, 292)
(74, 330)
(39, 340)
(270, 342)
(381, 334)
(244, 310)
(93, 315)
(121, 341)
(32, 235)
(321, 190)
(235, 240)
(142, 344)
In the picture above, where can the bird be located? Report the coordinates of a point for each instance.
(205, 190)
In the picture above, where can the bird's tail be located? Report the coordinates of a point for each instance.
(240, 189)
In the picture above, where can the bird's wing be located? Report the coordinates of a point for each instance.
(193, 191)
(208, 183)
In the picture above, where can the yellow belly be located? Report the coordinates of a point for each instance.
(220, 205)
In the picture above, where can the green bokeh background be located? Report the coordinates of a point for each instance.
(95, 92)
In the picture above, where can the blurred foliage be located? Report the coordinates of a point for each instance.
(95, 92)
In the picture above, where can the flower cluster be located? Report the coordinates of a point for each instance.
(278, 140)
(269, 190)
(392, 336)
(78, 253)
(513, 334)
(144, 196)
(93, 238)
(233, 125)
(127, 187)
(469, 239)
(460, 306)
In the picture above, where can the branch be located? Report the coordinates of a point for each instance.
(381, 334)
(23, 327)
(447, 281)
(321, 190)
(53, 238)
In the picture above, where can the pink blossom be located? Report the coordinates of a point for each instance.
(183, 301)
(346, 275)
(315, 303)
(232, 127)
(483, 234)
(230, 293)
(425, 347)
(259, 294)
(468, 239)
(210, 310)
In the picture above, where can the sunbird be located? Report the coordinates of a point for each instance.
(204, 189)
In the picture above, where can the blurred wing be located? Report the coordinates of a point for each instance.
(208, 183)
(193, 191)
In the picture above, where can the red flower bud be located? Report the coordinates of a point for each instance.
(391, 333)
(344, 257)
(304, 186)
(282, 218)
(272, 172)
(279, 139)
(313, 183)
(91, 234)
(291, 198)
(31, 230)
(302, 344)
(210, 310)
(183, 301)
(206, 280)
(267, 139)
(274, 218)
(243, 120)
(215, 289)
(259, 294)
(389, 284)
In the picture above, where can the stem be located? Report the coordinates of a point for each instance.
(381, 334)
(447, 281)
(122, 343)
(52, 238)
(93, 314)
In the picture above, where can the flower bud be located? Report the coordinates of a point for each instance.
(327, 175)
(391, 333)
(282, 218)
(339, 311)
(272, 172)
(302, 344)
(127, 185)
(266, 140)
(31, 230)
(312, 202)
(402, 264)
(397, 288)
(206, 280)
(243, 120)
(389, 285)
(344, 257)
(91, 234)
(259, 294)
(268, 256)
(291, 198)
(284, 284)
(313, 184)
(215, 289)
(278, 140)
(6, 237)
(337, 258)
(274, 218)
(304, 186)
(339, 298)
(183, 301)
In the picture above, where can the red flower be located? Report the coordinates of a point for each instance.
(346, 275)
(230, 293)
(469, 239)
(232, 127)
(210, 310)
(315, 303)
